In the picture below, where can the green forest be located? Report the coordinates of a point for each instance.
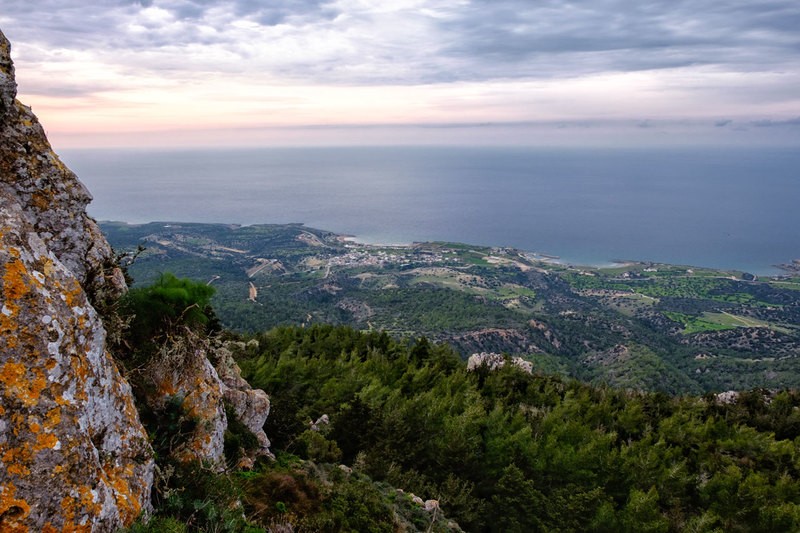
(378, 425)
(505, 450)
(362, 424)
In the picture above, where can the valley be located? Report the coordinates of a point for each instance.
(636, 325)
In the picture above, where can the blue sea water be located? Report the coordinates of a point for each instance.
(729, 208)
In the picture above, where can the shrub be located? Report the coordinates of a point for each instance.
(314, 446)
(167, 303)
(157, 311)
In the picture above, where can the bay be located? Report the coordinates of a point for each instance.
(716, 207)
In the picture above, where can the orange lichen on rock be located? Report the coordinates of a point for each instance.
(129, 507)
(167, 388)
(47, 266)
(10, 375)
(74, 295)
(76, 508)
(52, 418)
(14, 286)
(76, 528)
(21, 387)
(13, 511)
(7, 328)
(72, 508)
(16, 460)
(17, 421)
(82, 371)
(40, 200)
(45, 441)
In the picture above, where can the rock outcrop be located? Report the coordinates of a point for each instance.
(181, 370)
(203, 374)
(494, 361)
(73, 453)
(251, 406)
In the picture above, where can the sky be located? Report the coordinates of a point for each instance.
(315, 72)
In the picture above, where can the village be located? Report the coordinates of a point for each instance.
(360, 255)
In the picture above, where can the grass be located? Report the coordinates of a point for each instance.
(733, 320)
(447, 281)
(475, 259)
(718, 322)
(511, 290)
(693, 324)
(740, 321)
(792, 284)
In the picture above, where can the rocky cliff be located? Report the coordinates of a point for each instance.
(74, 455)
(202, 373)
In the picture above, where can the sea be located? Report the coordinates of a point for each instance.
(734, 208)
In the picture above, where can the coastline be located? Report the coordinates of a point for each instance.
(782, 270)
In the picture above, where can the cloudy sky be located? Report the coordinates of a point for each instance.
(248, 72)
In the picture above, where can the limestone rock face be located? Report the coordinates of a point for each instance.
(73, 453)
(184, 369)
(251, 406)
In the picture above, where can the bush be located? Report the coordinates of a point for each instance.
(312, 445)
(167, 303)
(155, 312)
(169, 426)
(157, 524)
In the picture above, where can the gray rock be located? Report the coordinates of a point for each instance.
(251, 406)
(73, 453)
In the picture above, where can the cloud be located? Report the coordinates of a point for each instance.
(769, 123)
(411, 61)
(146, 26)
(557, 37)
(411, 41)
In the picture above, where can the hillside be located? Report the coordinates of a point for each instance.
(645, 326)
(504, 450)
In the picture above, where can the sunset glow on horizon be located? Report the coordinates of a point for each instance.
(186, 73)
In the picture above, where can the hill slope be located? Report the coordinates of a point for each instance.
(643, 326)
